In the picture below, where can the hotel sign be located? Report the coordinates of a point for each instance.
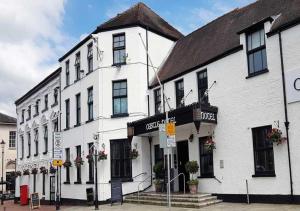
(293, 86)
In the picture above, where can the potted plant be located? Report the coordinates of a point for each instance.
(78, 161)
(67, 163)
(102, 155)
(52, 170)
(34, 171)
(134, 153)
(192, 167)
(26, 172)
(18, 173)
(209, 144)
(158, 169)
(43, 170)
(275, 136)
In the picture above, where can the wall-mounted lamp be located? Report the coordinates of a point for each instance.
(191, 138)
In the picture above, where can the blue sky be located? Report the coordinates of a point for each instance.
(38, 32)
(83, 16)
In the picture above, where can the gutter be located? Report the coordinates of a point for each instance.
(286, 123)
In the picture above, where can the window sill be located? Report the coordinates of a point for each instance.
(77, 125)
(66, 129)
(28, 156)
(89, 72)
(119, 115)
(55, 104)
(45, 153)
(66, 86)
(35, 115)
(67, 183)
(46, 109)
(28, 119)
(21, 158)
(90, 182)
(21, 123)
(35, 155)
(77, 183)
(257, 73)
(12, 148)
(119, 64)
(264, 175)
(91, 120)
(77, 80)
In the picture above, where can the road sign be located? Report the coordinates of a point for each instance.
(57, 163)
(58, 148)
(170, 129)
(171, 141)
(162, 136)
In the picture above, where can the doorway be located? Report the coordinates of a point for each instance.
(52, 189)
(183, 158)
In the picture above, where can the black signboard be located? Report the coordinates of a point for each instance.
(90, 196)
(116, 191)
(34, 200)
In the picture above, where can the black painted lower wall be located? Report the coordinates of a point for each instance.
(271, 199)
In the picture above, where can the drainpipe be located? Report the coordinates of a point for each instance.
(147, 62)
(286, 123)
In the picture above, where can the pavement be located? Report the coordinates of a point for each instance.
(10, 206)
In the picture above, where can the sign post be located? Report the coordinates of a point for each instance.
(57, 161)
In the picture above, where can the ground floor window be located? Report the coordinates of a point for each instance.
(120, 159)
(206, 159)
(263, 151)
(78, 153)
(91, 163)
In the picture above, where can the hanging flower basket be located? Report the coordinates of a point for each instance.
(78, 161)
(43, 170)
(275, 136)
(102, 155)
(89, 157)
(26, 172)
(67, 163)
(209, 144)
(34, 171)
(134, 154)
(52, 170)
(18, 173)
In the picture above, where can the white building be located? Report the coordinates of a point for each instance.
(8, 129)
(110, 99)
(38, 118)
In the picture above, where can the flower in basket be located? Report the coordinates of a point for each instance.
(43, 170)
(34, 171)
(210, 144)
(52, 170)
(78, 161)
(26, 172)
(18, 173)
(67, 163)
(90, 157)
(102, 155)
(275, 135)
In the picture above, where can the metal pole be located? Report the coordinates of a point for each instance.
(248, 200)
(2, 196)
(96, 182)
(57, 191)
(168, 166)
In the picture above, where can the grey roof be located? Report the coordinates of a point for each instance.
(7, 119)
(221, 36)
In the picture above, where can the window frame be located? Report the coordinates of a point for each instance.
(257, 49)
(36, 141)
(205, 154)
(157, 101)
(29, 144)
(12, 139)
(177, 92)
(270, 173)
(90, 103)
(68, 158)
(206, 99)
(67, 72)
(91, 166)
(22, 146)
(77, 66)
(78, 109)
(90, 57)
(78, 168)
(122, 160)
(67, 110)
(46, 101)
(46, 138)
(121, 114)
(118, 48)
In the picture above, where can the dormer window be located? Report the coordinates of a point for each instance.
(119, 53)
(256, 52)
(77, 66)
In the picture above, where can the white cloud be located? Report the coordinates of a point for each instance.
(31, 40)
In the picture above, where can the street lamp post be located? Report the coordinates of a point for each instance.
(96, 181)
(2, 146)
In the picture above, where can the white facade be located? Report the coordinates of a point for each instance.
(45, 120)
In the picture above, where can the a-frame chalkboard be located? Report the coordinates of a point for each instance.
(116, 191)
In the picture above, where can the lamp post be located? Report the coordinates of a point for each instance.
(96, 181)
(2, 146)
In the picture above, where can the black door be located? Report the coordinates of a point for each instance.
(52, 189)
(183, 158)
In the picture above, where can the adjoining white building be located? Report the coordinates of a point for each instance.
(8, 127)
(231, 80)
(248, 62)
(38, 118)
